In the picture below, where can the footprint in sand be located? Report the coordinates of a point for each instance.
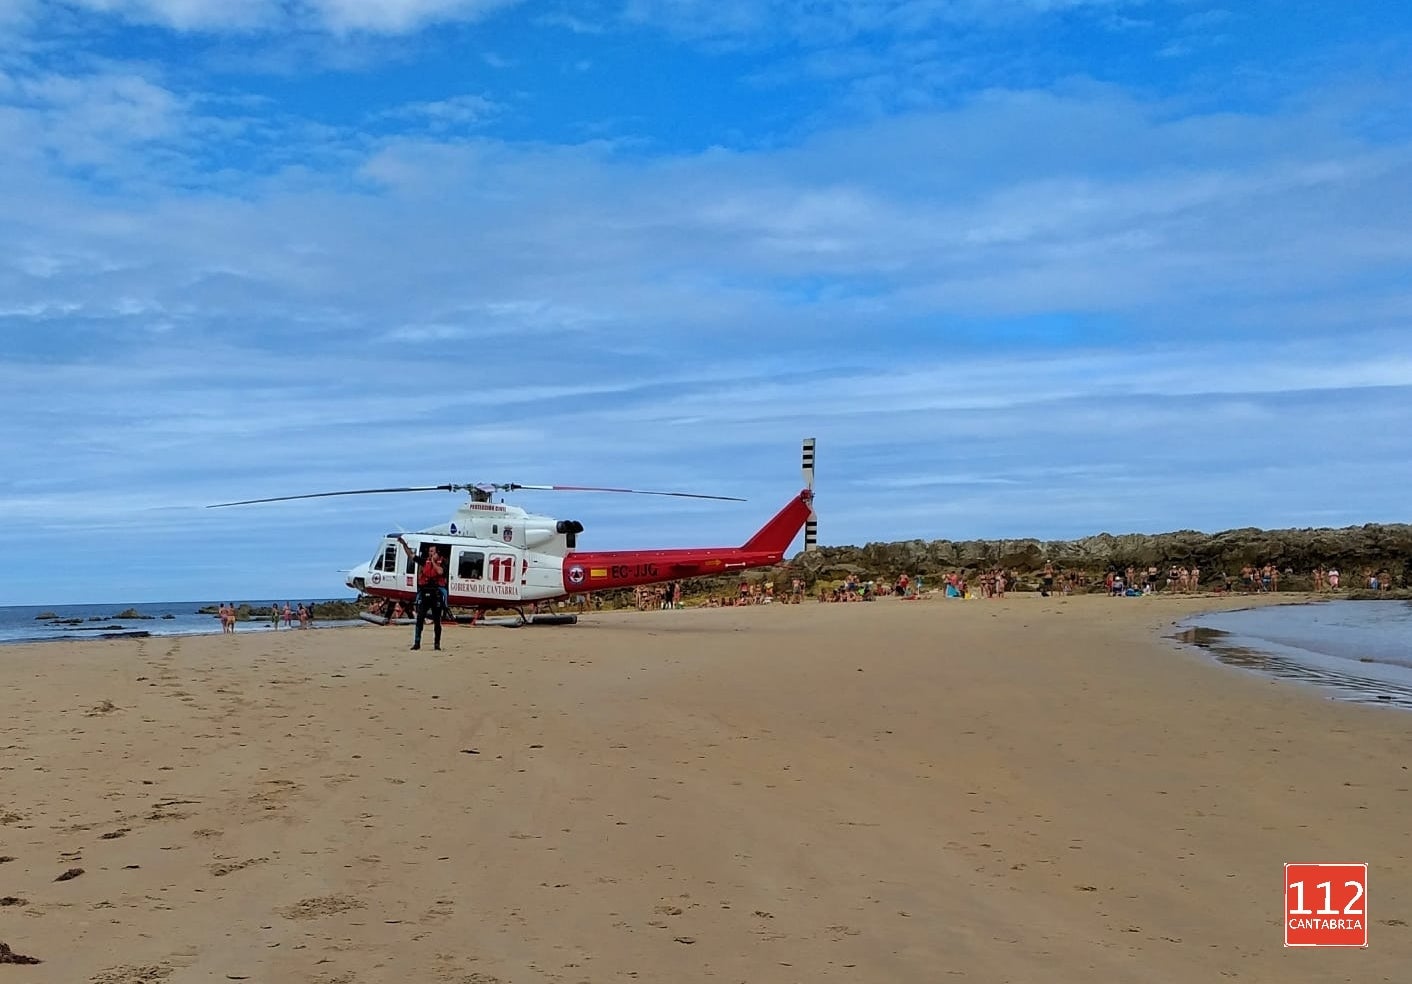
(165, 809)
(439, 912)
(132, 974)
(222, 868)
(323, 905)
(273, 798)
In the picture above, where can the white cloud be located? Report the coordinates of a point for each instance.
(951, 214)
(83, 119)
(335, 16)
(1030, 314)
(833, 21)
(398, 16)
(186, 15)
(570, 22)
(454, 112)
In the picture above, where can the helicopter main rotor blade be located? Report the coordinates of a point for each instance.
(485, 488)
(321, 495)
(594, 488)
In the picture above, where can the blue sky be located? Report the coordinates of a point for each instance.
(1023, 267)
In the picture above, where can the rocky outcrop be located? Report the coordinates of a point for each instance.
(1352, 550)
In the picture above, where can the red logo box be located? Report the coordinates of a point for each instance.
(1326, 905)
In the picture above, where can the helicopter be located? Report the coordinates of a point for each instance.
(501, 556)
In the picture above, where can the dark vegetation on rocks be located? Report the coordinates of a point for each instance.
(1296, 552)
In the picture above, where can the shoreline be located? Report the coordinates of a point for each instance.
(1349, 661)
(123, 632)
(262, 623)
(1032, 788)
(20, 624)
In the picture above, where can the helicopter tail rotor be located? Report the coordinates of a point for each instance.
(811, 525)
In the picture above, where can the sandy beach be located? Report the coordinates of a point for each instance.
(1024, 790)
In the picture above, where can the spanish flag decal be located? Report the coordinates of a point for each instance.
(598, 572)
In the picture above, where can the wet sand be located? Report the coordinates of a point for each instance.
(1026, 790)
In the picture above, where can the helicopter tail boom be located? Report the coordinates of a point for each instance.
(601, 570)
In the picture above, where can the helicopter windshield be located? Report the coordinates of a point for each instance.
(386, 558)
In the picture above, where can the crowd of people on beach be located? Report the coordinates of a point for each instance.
(1180, 579)
(1129, 581)
(304, 614)
(1374, 580)
(1253, 579)
(666, 597)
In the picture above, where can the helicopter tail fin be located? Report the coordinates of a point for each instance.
(776, 535)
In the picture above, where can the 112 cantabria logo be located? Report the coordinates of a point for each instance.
(1326, 905)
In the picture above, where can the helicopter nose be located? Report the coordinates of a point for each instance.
(357, 578)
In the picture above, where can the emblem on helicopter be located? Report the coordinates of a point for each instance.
(453, 529)
(509, 534)
(576, 574)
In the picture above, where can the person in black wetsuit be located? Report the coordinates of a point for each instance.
(429, 577)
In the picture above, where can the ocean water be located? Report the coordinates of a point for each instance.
(18, 623)
(1353, 650)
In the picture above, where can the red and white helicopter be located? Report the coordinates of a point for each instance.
(500, 556)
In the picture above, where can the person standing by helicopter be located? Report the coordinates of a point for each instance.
(429, 578)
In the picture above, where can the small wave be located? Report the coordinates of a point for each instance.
(1354, 656)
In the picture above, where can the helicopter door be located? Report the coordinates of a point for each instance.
(478, 575)
(467, 573)
(385, 569)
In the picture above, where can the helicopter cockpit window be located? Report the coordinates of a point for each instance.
(471, 565)
(387, 560)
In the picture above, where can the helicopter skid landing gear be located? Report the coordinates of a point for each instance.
(523, 620)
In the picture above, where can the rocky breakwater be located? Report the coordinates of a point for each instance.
(1353, 550)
